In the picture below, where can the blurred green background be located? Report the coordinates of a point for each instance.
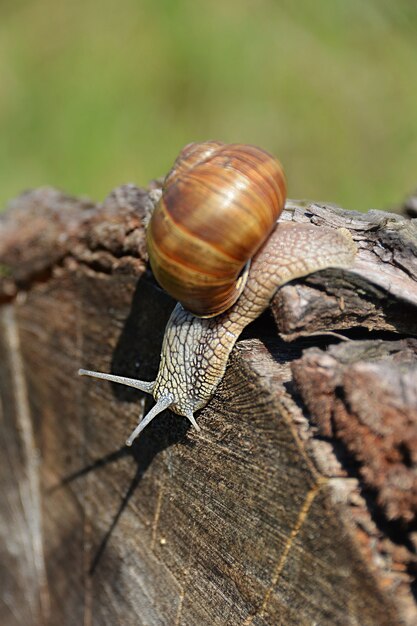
(95, 93)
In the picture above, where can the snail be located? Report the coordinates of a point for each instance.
(215, 244)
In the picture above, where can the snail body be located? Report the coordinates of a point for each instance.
(196, 349)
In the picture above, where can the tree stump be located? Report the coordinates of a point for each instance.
(295, 504)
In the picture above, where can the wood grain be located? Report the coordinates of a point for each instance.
(289, 507)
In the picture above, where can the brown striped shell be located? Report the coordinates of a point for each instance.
(219, 204)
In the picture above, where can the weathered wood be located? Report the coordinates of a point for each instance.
(373, 413)
(379, 293)
(296, 504)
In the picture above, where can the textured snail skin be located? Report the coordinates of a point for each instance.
(195, 351)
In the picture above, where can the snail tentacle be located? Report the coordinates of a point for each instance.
(163, 403)
(190, 415)
(142, 385)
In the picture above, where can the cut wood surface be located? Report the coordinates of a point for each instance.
(296, 504)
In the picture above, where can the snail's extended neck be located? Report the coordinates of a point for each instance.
(195, 351)
(194, 356)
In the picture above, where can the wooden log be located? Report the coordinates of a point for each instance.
(295, 504)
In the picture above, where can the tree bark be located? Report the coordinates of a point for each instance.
(295, 504)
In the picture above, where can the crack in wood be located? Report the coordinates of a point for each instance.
(183, 592)
(87, 527)
(287, 410)
(157, 515)
(186, 573)
(30, 489)
(88, 595)
(302, 515)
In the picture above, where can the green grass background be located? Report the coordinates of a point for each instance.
(94, 93)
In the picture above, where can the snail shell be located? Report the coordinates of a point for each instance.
(219, 204)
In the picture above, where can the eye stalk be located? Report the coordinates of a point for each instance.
(163, 402)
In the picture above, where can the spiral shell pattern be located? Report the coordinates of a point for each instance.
(219, 204)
